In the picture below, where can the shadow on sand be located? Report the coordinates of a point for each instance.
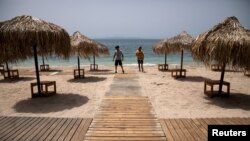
(17, 79)
(101, 72)
(53, 103)
(234, 101)
(89, 79)
(193, 79)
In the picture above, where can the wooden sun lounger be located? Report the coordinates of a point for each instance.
(44, 67)
(1, 69)
(211, 93)
(44, 85)
(162, 67)
(76, 73)
(178, 73)
(215, 67)
(93, 67)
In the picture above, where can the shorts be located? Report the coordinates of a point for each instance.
(118, 62)
(140, 61)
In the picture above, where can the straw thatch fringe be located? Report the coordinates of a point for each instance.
(20, 34)
(82, 45)
(174, 44)
(228, 42)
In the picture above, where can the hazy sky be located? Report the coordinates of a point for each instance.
(130, 18)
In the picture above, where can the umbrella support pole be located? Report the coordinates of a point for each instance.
(165, 65)
(78, 60)
(37, 70)
(94, 60)
(181, 60)
(222, 78)
(43, 60)
(8, 70)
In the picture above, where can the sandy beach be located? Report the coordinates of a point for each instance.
(171, 98)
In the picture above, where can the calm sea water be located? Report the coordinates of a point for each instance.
(128, 47)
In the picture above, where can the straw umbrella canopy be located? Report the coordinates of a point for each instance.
(82, 46)
(227, 43)
(23, 36)
(102, 50)
(174, 44)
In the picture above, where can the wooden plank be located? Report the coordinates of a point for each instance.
(73, 130)
(203, 135)
(200, 126)
(79, 135)
(125, 129)
(54, 129)
(184, 130)
(178, 130)
(10, 123)
(191, 129)
(67, 130)
(25, 131)
(172, 130)
(64, 126)
(166, 130)
(85, 129)
(46, 127)
(33, 129)
(50, 129)
(19, 129)
(125, 138)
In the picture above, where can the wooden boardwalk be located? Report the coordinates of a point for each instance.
(117, 128)
(42, 129)
(195, 129)
(125, 118)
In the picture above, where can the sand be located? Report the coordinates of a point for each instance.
(171, 98)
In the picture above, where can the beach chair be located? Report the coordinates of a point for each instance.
(44, 67)
(211, 93)
(247, 72)
(162, 67)
(1, 69)
(178, 73)
(215, 67)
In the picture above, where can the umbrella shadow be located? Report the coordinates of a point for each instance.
(100, 72)
(234, 101)
(15, 80)
(55, 103)
(89, 79)
(193, 79)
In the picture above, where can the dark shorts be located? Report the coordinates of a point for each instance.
(118, 62)
(140, 61)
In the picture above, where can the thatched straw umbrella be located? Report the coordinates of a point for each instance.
(174, 44)
(102, 50)
(23, 36)
(82, 46)
(227, 43)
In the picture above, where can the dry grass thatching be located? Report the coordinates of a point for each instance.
(174, 44)
(20, 34)
(102, 49)
(82, 45)
(226, 43)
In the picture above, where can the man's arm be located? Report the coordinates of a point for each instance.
(114, 56)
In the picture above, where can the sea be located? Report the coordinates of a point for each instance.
(127, 46)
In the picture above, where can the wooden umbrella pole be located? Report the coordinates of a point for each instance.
(181, 60)
(43, 60)
(8, 70)
(37, 70)
(94, 60)
(222, 78)
(165, 61)
(78, 60)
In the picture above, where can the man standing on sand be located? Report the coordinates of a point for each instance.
(140, 57)
(118, 57)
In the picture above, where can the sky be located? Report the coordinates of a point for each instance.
(151, 19)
